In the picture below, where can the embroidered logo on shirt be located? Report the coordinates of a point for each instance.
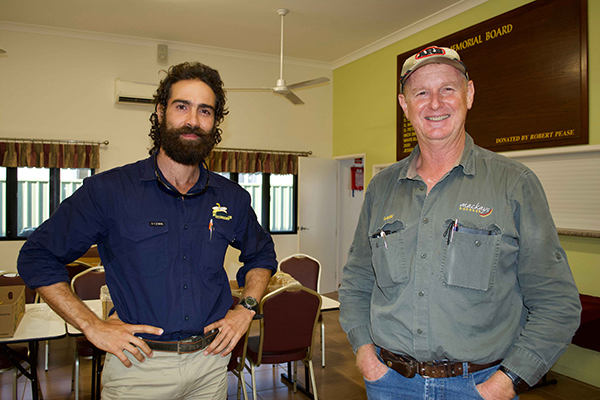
(388, 217)
(483, 211)
(157, 223)
(220, 212)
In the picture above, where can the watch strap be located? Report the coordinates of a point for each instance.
(519, 385)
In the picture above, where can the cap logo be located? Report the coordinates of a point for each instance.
(430, 51)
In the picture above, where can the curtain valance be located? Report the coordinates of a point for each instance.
(249, 161)
(49, 154)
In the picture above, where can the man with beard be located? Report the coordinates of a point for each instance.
(162, 226)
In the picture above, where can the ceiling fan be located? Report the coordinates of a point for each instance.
(282, 88)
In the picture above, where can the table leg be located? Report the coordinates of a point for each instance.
(98, 376)
(35, 385)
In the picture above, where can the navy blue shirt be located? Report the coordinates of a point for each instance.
(163, 266)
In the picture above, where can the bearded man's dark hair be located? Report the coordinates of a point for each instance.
(188, 71)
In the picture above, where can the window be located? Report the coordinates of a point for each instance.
(28, 196)
(274, 198)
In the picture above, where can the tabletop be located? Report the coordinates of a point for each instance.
(39, 323)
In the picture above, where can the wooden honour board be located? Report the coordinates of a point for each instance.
(529, 67)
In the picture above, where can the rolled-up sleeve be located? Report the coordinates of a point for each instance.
(66, 236)
(255, 244)
(548, 289)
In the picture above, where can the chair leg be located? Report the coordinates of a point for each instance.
(47, 355)
(295, 386)
(322, 344)
(15, 381)
(76, 370)
(254, 394)
(312, 379)
(244, 389)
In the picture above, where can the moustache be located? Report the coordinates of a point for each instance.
(190, 130)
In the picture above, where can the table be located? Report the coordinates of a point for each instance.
(39, 323)
(327, 304)
(96, 307)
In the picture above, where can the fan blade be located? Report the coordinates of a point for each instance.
(293, 98)
(308, 83)
(263, 89)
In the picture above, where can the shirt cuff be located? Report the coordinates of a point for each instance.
(529, 367)
(359, 336)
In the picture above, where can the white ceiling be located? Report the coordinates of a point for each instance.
(318, 30)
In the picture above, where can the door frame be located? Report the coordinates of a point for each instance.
(338, 217)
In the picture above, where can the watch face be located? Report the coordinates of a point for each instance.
(250, 301)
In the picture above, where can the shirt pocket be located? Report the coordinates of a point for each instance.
(144, 248)
(388, 255)
(470, 257)
(215, 248)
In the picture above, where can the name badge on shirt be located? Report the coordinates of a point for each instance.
(157, 223)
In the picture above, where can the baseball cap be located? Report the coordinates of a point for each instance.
(429, 55)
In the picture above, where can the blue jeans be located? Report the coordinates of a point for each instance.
(392, 386)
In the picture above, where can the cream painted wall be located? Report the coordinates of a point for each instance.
(60, 84)
(364, 121)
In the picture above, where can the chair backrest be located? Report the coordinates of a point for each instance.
(91, 256)
(77, 267)
(304, 268)
(87, 284)
(289, 320)
(12, 278)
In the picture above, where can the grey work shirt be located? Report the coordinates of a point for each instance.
(497, 288)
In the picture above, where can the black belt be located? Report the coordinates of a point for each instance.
(189, 345)
(408, 367)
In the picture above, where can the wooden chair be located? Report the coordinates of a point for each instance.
(306, 270)
(12, 278)
(287, 331)
(87, 286)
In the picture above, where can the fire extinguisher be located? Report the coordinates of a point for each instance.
(357, 173)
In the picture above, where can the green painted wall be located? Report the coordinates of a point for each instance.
(364, 121)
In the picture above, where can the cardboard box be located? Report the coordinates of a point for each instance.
(107, 303)
(12, 309)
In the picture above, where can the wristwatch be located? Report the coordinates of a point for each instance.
(250, 303)
(519, 385)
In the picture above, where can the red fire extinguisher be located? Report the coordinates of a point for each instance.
(358, 177)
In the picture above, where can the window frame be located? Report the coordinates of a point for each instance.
(265, 221)
(12, 205)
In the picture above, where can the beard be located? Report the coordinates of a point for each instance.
(187, 152)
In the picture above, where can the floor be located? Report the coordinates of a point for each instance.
(340, 378)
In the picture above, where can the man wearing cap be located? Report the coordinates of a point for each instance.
(456, 285)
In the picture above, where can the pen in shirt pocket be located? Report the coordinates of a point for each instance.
(210, 228)
(449, 232)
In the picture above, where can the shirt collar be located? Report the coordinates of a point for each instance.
(409, 170)
(149, 175)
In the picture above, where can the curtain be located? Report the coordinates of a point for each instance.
(49, 155)
(253, 161)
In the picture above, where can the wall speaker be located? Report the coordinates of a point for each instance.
(162, 53)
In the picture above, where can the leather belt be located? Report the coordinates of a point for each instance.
(189, 345)
(408, 367)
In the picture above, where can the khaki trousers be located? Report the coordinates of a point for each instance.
(166, 376)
